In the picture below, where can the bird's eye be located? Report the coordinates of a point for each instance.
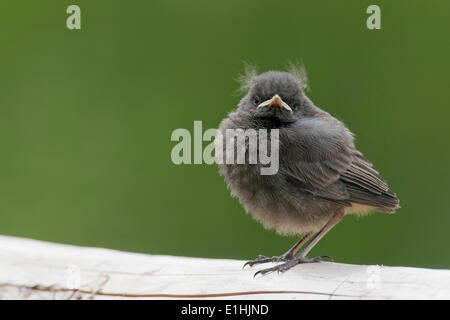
(256, 100)
(294, 106)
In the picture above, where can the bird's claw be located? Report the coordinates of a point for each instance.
(259, 259)
(320, 258)
(281, 268)
(263, 259)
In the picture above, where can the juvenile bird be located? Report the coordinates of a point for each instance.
(321, 175)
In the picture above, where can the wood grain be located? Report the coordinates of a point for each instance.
(31, 269)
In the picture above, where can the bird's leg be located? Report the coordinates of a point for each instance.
(301, 258)
(289, 255)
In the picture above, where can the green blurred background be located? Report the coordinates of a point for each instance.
(86, 118)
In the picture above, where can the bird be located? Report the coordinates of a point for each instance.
(322, 176)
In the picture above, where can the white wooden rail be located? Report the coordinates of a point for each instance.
(31, 269)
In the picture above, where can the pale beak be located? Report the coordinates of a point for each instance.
(275, 102)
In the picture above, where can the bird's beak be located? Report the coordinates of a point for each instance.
(275, 102)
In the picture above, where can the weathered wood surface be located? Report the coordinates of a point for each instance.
(31, 269)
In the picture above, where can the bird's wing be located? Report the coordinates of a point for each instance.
(321, 157)
(366, 186)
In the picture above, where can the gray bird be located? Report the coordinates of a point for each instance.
(321, 175)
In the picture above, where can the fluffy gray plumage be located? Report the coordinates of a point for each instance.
(320, 171)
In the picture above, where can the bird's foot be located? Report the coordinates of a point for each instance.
(263, 259)
(291, 263)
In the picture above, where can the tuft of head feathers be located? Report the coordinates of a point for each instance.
(297, 69)
(247, 79)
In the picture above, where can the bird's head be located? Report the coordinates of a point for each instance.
(275, 94)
